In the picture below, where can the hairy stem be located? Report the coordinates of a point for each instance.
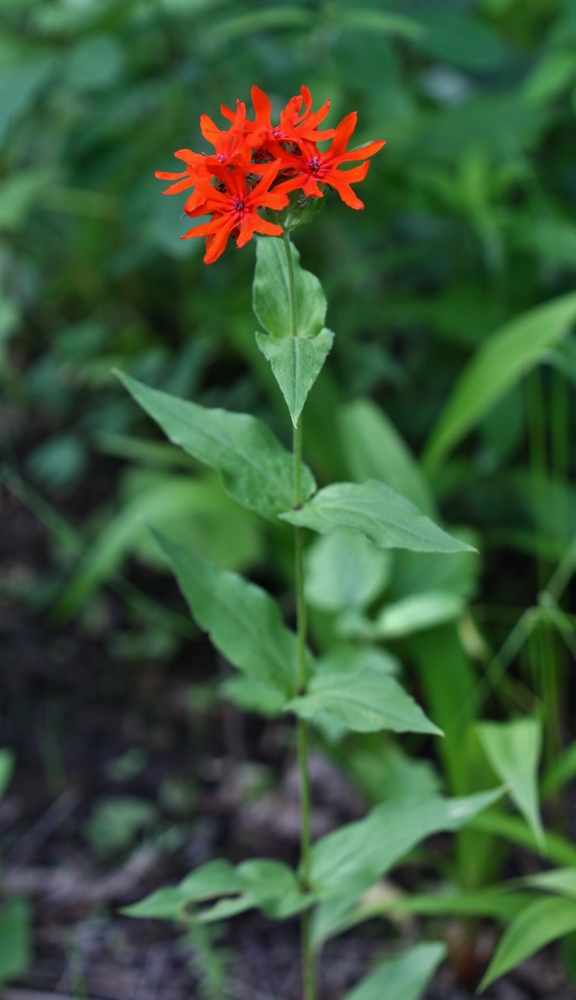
(309, 987)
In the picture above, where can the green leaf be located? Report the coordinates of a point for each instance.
(296, 363)
(267, 885)
(403, 978)
(253, 696)
(195, 509)
(351, 859)
(418, 612)
(15, 938)
(7, 762)
(556, 848)
(20, 85)
(377, 512)
(537, 925)
(561, 881)
(513, 749)
(381, 22)
(375, 450)
(257, 470)
(344, 570)
(365, 700)
(242, 620)
(505, 357)
(271, 293)
(216, 878)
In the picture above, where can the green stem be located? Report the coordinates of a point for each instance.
(309, 986)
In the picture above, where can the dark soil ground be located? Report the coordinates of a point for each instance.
(90, 724)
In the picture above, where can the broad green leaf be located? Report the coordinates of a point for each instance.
(253, 695)
(422, 572)
(555, 847)
(385, 772)
(265, 19)
(375, 450)
(20, 85)
(19, 194)
(561, 881)
(504, 358)
(499, 902)
(242, 620)
(365, 700)
(403, 978)
(195, 509)
(296, 363)
(382, 22)
(537, 925)
(279, 313)
(266, 885)
(15, 938)
(351, 859)
(346, 659)
(257, 470)
(377, 512)
(418, 612)
(513, 749)
(7, 762)
(214, 879)
(343, 570)
(464, 41)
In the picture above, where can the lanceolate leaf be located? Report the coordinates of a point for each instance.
(403, 978)
(375, 450)
(267, 885)
(242, 620)
(535, 927)
(345, 570)
(304, 315)
(296, 363)
(365, 700)
(376, 511)
(504, 358)
(257, 470)
(351, 859)
(513, 749)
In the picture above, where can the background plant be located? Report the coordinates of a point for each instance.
(472, 224)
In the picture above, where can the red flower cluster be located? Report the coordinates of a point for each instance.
(255, 164)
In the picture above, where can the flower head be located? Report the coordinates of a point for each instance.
(257, 163)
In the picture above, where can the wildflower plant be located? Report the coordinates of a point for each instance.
(265, 178)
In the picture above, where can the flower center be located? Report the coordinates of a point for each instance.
(239, 206)
(315, 164)
(278, 133)
(221, 157)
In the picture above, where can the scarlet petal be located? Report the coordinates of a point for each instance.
(246, 230)
(180, 185)
(217, 244)
(165, 175)
(343, 133)
(358, 154)
(268, 228)
(346, 193)
(262, 105)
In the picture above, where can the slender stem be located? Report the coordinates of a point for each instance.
(309, 986)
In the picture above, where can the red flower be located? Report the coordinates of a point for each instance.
(225, 183)
(294, 124)
(234, 209)
(312, 167)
